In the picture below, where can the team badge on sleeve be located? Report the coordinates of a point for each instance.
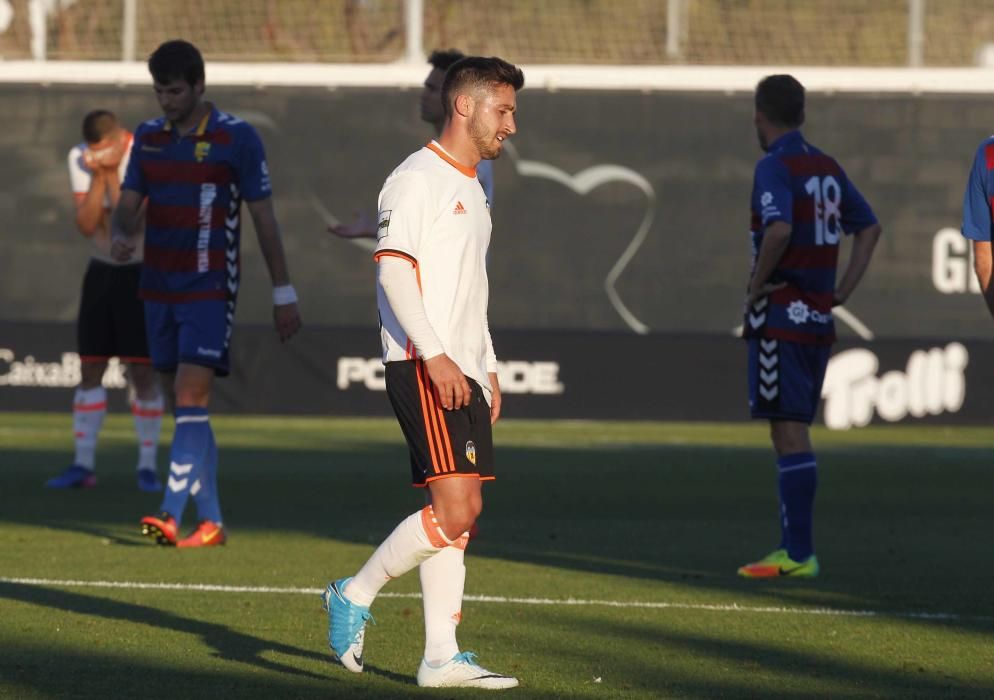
(383, 224)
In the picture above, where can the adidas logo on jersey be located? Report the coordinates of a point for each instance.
(460, 209)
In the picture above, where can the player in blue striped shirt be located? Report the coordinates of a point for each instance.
(802, 203)
(189, 171)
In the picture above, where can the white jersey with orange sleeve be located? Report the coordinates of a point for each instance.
(80, 177)
(434, 214)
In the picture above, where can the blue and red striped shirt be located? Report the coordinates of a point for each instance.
(801, 186)
(194, 186)
(978, 200)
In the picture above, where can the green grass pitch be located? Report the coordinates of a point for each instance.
(606, 515)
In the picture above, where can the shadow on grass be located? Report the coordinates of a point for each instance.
(31, 672)
(672, 514)
(674, 663)
(227, 643)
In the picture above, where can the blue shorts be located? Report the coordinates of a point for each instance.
(196, 333)
(785, 379)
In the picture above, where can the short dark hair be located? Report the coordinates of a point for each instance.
(98, 124)
(443, 59)
(781, 99)
(475, 72)
(176, 60)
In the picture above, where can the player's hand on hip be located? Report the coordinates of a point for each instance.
(755, 294)
(450, 383)
(287, 320)
(121, 249)
(495, 399)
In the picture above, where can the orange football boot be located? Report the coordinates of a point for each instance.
(207, 534)
(161, 527)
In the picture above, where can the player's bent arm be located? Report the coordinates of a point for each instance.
(113, 180)
(863, 245)
(90, 206)
(983, 265)
(776, 239)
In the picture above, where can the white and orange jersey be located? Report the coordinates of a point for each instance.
(80, 177)
(434, 214)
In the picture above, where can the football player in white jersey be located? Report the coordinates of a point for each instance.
(441, 370)
(111, 320)
(433, 113)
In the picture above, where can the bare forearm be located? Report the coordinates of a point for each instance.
(90, 210)
(113, 184)
(859, 260)
(983, 265)
(125, 221)
(268, 234)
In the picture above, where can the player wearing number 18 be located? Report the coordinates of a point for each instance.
(802, 203)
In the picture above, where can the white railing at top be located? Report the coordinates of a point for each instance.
(548, 77)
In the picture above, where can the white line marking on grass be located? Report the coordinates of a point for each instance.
(578, 602)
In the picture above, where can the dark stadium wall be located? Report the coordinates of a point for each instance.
(615, 213)
(573, 246)
(544, 374)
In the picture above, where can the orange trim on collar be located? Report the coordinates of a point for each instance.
(465, 170)
(202, 127)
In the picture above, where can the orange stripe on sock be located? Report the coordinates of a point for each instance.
(462, 542)
(146, 412)
(424, 414)
(434, 532)
(88, 407)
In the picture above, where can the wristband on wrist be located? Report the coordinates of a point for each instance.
(284, 295)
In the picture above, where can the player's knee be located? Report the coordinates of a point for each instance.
(145, 382)
(91, 374)
(789, 437)
(458, 518)
(192, 389)
(191, 396)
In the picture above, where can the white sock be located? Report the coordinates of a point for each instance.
(148, 425)
(417, 538)
(443, 578)
(88, 411)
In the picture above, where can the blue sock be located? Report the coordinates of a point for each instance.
(205, 496)
(187, 457)
(798, 482)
